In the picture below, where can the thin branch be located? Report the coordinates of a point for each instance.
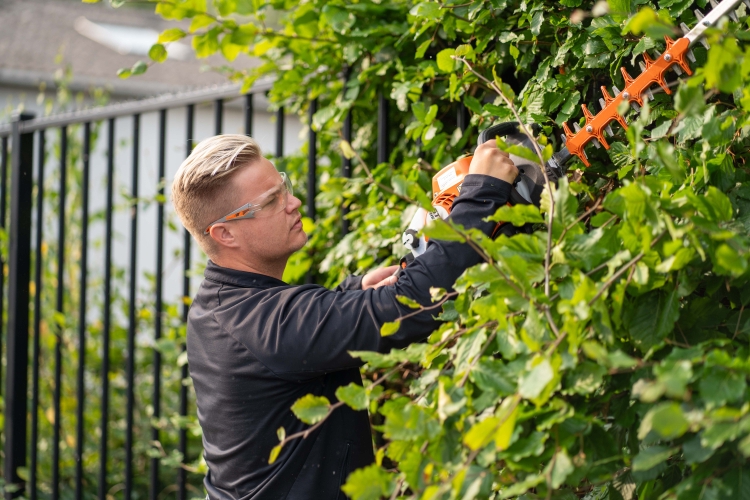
(442, 301)
(737, 328)
(579, 219)
(476, 359)
(616, 276)
(331, 408)
(622, 270)
(399, 483)
(538, 151)
(306, 432)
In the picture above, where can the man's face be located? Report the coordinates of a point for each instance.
(276, 234)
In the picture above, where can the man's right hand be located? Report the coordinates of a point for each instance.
(490, 160)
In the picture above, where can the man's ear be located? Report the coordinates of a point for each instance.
(223, 236)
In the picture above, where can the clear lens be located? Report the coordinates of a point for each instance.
(274, 201)
(269, 203)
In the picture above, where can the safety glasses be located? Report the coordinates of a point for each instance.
(271, 202)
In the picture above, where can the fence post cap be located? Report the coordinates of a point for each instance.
(18, 116)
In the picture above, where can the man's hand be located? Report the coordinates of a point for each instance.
(379, 277)
(490, 160)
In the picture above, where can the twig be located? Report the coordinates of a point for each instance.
(737, 328)
(579, 219)
(476, 359)
(616, 276)
(399, 483)
(331, 408)
(622, 270)
(554, 345)
(445, 299)
(538, 151)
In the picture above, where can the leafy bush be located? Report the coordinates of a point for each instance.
(604, 355)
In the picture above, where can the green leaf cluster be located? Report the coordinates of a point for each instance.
(605, 354)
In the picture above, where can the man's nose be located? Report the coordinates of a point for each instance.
(292, 203)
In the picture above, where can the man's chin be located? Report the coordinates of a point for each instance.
(302, 241)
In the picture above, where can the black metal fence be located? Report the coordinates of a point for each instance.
(26, 471)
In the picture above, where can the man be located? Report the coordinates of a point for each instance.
(255, 344)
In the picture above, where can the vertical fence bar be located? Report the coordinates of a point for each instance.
(218, 116)
(181, 472)
(107, 314)
(60, 308)
(19, 265)
(463, 117)
(132, 297)
(312, 167)
(248, 115)
(346, 170)
(280, 132)
(38, 271)
(82, 309)
(3, 204)
(156, 402)
(383, 151)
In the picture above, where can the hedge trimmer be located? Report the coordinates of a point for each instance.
(529, 184)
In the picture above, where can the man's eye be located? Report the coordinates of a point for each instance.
(270, 202)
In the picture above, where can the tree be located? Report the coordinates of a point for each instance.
(604, 355)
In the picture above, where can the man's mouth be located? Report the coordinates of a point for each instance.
(298, 223)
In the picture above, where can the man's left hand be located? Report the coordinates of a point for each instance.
(380, 277)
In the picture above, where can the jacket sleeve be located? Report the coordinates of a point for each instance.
(308, 330)
(351, 282)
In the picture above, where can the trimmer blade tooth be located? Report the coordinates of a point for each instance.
(576, 126)
(615, 90)
(685, 29)
(608, 129)
(635, 107)
(676, 69)
(703, 42)
(733, 16)
(602, 103)
(698, 14)
(747, 3)
(649, 94)
(713, 3)
(564, 138)
(642, 66)
(597, 144)
(691, 55)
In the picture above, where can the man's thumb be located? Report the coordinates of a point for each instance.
(390, 280)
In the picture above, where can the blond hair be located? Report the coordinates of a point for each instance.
(201, 190)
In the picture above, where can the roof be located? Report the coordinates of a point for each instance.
(95, 40)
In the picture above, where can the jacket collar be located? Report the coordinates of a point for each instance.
(243, 279)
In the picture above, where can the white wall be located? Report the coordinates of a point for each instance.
(264, 127)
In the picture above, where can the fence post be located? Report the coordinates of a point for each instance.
(346, 163)
(383, 151)
(312, 171)
(19, 266)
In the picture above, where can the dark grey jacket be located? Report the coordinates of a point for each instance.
(256, 345)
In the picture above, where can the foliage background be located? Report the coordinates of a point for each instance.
(604, 358)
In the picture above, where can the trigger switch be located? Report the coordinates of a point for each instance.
(410, 238)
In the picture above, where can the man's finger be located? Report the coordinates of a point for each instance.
(390, 280)
(492, 143)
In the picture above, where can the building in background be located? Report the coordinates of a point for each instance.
(41, 39)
